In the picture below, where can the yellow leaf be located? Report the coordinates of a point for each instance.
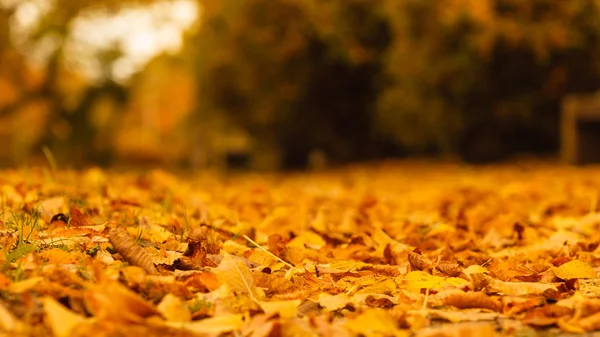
(214, 325)
(442, 229)
(174, 309)
(25, 285)
(232, 247)
(387, 286)
(475, 269)
(342, 266)
(286, 309)
(60, 319)
(113, 301)
(375, 322)
(333, 302)
(8, 321)
(417, 280)
(59, 256)
(575, 269)
(234, 273)
(262, 258)
(95, 228)
(305, 239)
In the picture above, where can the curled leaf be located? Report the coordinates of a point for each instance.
(131, 251)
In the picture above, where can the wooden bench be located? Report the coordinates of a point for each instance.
(580, 129)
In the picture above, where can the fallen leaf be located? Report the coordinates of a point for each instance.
(79, 219)
(60, 319)
(520, 288)
(131, 251)
(174, 309)
(112, 300)
(215, 325)
(375, 322)
(417, 280)
(8, 322)
(286, 309)
(467, 315)
(575, 269)
(234, 273)
(333, 302)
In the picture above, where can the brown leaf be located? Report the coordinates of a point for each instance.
(419, 262)
(451, 269)
(125, 245)
(79, 219)
(466, 300)
(547, 315)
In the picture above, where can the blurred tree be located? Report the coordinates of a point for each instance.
(485, 77)
(153, 127)
(278, 69)
(63, 100)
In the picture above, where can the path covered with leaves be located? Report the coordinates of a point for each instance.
(388, 250)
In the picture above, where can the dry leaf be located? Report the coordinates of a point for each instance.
(8, 322)
(417, 280)
(234, 273)
(286, 309)
(575, 269)
(520, 288)
(215, 325)
(60, 319)
(79, 219)
(526, 236)
(131, 251)
(375, 322)
(468, 315)
(113, 301)
(174, 309)
(468, 300)
(419, 262)
(334, 302)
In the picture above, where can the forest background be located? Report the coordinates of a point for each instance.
(269, 84)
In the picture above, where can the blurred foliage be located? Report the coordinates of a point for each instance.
(467, 72)
(481, 77)
(297, 75)
(353, 79)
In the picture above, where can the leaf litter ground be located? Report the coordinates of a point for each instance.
(401, 249)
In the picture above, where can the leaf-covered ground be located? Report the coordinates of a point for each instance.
(387, 250)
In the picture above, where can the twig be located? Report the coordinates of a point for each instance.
(266, 251)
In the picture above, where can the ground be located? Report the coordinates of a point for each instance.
(389, 249)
